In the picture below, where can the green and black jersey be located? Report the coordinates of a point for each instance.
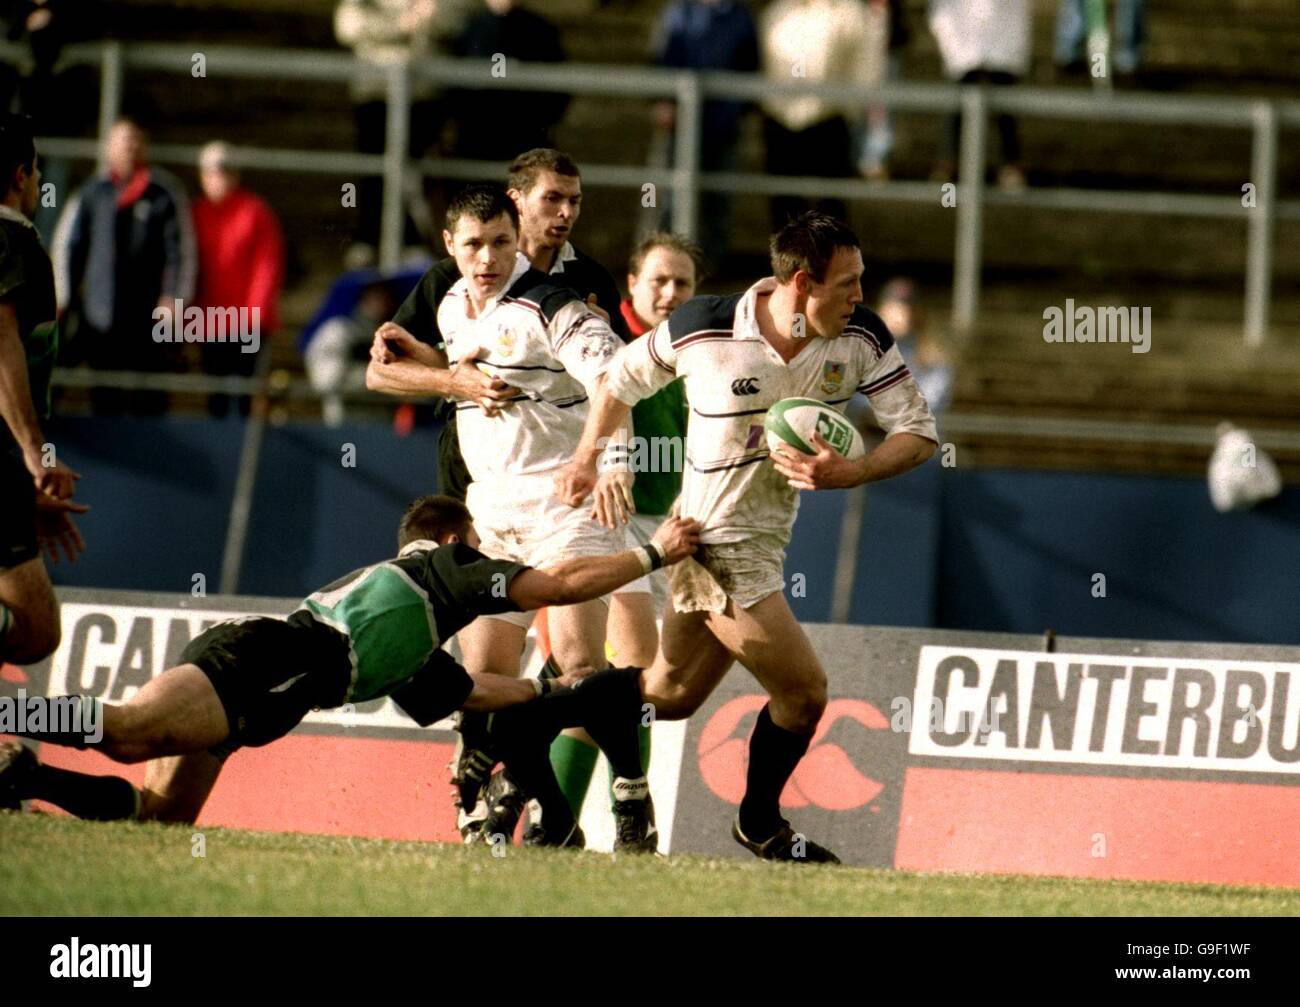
(27, 282)
(395, 614)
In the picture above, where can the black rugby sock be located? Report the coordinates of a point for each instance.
(102, 798)
(773, 754)
(613, 718)
(608, 697)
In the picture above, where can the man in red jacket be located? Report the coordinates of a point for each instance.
(241, 264)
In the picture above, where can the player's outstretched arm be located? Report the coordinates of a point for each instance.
(581, 579)
(577, 479)
(496, 692)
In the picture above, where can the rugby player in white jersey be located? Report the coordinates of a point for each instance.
(548, 350)
(801, 332)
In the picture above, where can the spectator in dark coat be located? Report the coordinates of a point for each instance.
(124, 248)
(707, 35)
(493, 124)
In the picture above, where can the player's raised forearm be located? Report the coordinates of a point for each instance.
(896, 455)
(406, 377)
(606, 417)
(16, 408)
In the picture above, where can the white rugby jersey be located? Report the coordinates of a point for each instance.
(539, 336)
(732, 375)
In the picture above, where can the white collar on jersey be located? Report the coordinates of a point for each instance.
(419, 545)
(9, 213)
(746, 322)
(567, 254)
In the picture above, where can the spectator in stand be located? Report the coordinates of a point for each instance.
(1126, 42)
(39, 27)
(492, 124)
(903, 313)
(39, 86)
(878, 135)
(382, 33)
(983, 42)
(123, 248)
(337, 356)
(241, 263)
(706, 35)
(815, 41)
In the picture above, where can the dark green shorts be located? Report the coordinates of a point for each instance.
(17, 513)
(270, 673)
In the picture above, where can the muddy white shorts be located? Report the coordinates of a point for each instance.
(520, 519)
(746, 572)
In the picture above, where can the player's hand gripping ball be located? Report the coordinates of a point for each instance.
(812, 444)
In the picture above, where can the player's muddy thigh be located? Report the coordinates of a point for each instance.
(492, 647)
(689, 666)
(27, 592)
(176, 713)
(578, 636)
(768, 640)
(176, 788)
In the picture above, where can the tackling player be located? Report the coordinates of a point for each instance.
(376, 632)
(800, 332)
(35, 488)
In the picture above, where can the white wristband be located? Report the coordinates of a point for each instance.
(644, 558)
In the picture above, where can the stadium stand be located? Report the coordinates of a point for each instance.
(1188, 271)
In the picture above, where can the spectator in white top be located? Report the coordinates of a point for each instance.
(815, 41)
(382, 33)
(983, 42)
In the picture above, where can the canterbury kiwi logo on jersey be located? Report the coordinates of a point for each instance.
(744, 386)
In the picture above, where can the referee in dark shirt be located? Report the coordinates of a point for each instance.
(547, 187)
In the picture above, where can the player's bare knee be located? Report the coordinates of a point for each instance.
(800, 710)
(670, 700)
(574, 659)
(32, 639)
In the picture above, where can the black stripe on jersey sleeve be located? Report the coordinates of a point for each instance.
(872, 327)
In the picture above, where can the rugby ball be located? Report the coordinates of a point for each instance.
(792, 422)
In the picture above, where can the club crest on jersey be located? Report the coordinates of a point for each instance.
(506, 340)
(832, 377)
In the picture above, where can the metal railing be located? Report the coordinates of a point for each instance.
(686, 181)
(1262, 117)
